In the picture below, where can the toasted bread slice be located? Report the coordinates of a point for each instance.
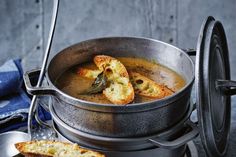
(139, 87)
(120, 91)
(112, 67)
(89, 73)
(147, 87)
(44, 148)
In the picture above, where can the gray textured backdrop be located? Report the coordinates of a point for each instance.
(24, 26)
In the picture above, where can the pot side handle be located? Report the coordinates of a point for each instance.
(30, 79)
(227, 87)
(179, 141)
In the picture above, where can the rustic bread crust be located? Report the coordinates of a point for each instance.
(112, 96)
(36, 148)
(120, 91)
(109, 64)
(147, 87)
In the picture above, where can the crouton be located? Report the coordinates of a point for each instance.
(45, 148)
(119, 91)
(112, 67)
(147, 87)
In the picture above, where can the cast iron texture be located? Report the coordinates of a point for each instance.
(178, 152)
(189, 151)
(173, 138)
(214, 105)
(123, 124)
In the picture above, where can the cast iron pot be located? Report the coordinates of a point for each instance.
(133, 120)
(173, 138)
(181, 151)
(177, 152)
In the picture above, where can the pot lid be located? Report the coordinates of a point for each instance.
(212, 65)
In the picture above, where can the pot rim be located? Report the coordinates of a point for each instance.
(162, 102)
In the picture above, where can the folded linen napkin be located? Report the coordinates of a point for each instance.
(14, 102)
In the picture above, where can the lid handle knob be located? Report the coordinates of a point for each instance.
(227, 87)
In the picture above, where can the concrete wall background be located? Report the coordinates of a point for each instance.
(24, 26)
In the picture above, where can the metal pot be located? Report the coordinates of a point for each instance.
(177, 152)
(133, 120)
(187, 150)
(183, 151)
(171, 143)
(173, 138)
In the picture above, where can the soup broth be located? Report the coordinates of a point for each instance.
(73, 84)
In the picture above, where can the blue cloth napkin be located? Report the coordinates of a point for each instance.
(14, 102)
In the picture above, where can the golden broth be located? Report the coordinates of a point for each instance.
(73, 84)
